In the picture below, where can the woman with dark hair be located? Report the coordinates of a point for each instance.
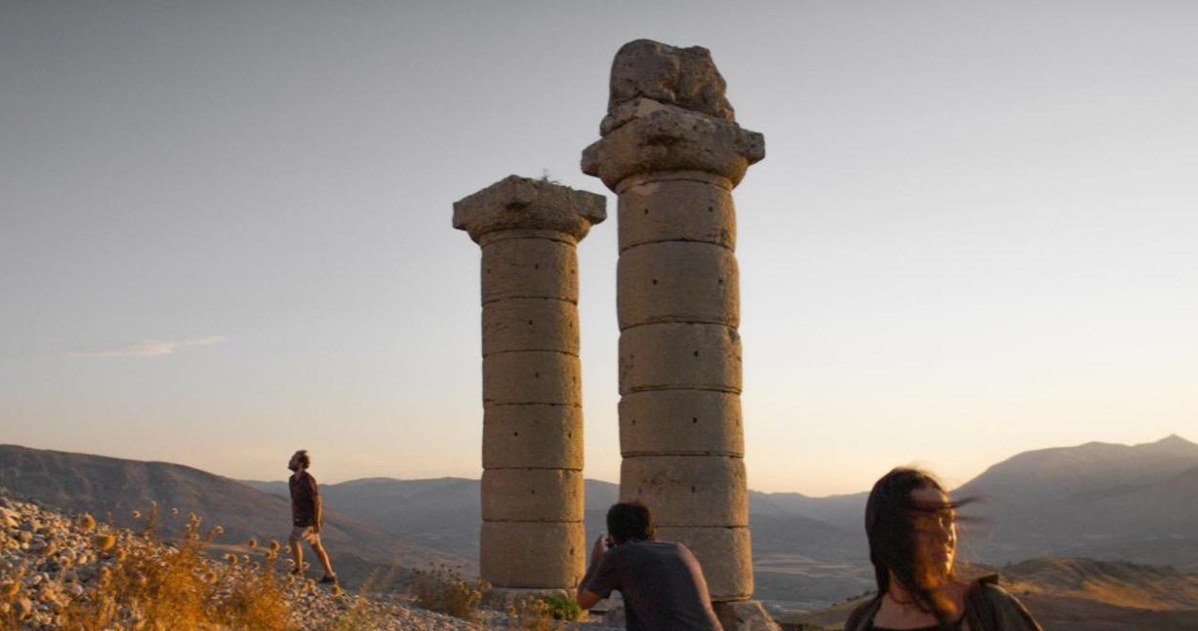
(911, 525)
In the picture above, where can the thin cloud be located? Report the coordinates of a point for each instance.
(147, 348)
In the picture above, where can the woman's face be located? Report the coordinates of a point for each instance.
(935, 525)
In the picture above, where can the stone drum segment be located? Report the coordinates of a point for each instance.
(532, 488)
(672, 150)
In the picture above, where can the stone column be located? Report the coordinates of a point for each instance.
(532, 488)
(672, 151)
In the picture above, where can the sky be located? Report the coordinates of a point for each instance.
(225, 227)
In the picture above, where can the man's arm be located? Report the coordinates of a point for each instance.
(587, 598)
(317, 513)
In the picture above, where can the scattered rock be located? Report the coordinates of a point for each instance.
(38, 586)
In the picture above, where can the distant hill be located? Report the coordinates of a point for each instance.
(1111, 502)
(442, 513)
(1127, 502)
(844, 511)
(1070, 594)
(112, 488)
(1137, 503)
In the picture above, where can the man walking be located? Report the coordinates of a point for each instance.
(662, 583)
(306, 516)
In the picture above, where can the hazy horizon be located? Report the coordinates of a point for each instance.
(226, 227)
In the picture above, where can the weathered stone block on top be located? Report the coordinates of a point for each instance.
(677, 281)
(724, 553)
(674, 422)
(680, 356)
(686, 77)
(688, 490)
(673, 139)
(550, 495)
(529, 268)
(532, 377)
(537, 436)
(530, 324)
(520, 203)
(682, 206)
(533, 555)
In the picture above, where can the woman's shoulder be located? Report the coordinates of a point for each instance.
(996, 608)
(862, 615)
(987, 588)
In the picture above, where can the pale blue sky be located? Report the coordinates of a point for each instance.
(225, 226)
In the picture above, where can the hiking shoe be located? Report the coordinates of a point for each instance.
(329, 579)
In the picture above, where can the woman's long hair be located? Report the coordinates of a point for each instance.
(893, 543)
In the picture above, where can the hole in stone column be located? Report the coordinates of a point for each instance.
(536, 375)
(515, 433)
(654, 280)
(569, 434)
(696, 353)
(694, 490)
(694, 419)
(530, 323)
(634, 421)
(646, 211)
(533, 491)
(536, 266)
(721, 281)
(711, 209)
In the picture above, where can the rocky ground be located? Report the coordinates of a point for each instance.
(57, 571)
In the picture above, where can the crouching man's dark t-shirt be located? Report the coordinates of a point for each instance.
(662, 584)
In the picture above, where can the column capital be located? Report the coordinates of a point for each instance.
(667, 111)
(654, 136)
(520, 203)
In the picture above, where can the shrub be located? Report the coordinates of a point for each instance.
(533, 614)
(563, 607)
(445, 590)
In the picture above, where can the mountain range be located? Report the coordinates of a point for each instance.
(1110, 502)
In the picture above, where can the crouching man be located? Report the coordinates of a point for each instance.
(661, 581)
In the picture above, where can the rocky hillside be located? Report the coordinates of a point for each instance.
(60, 572)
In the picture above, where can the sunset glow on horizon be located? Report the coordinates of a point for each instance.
(226, 228)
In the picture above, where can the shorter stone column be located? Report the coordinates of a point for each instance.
(532, 490)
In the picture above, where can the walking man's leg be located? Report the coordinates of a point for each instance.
(323, 557)
(297, 553)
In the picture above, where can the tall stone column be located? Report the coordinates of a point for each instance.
(532, 488)
(672, 151)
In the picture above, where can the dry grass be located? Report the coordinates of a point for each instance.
(154, 584)
(534, 614)
(444, 590)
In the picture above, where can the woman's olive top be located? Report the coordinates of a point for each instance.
(988, 607)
